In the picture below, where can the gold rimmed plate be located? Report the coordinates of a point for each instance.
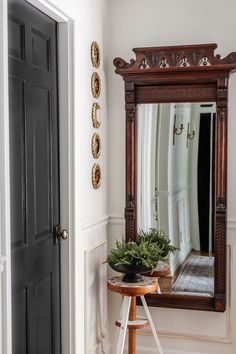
(96, 145)
(95, 85)
(95, 54)
(96, 176)
(96, 122)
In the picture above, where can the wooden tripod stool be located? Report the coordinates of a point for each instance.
(128, 312)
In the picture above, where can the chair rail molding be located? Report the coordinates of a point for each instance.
(95, 224)
(116, 220)
(231, 223)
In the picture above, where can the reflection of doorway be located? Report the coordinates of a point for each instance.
(34, 180)
(205, 171)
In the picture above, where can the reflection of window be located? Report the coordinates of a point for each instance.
(147, 123)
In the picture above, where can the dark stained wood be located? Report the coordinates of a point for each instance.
(187, 58)
(132, 331)
(165, 94)
(132, 289)
(191, 73)
(186, 302)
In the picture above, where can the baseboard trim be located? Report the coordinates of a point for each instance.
(153, 350)
(189, 337)
(145, 350)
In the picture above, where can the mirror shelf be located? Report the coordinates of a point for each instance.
(174, 81)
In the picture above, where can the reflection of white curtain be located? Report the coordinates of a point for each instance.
(147, 135)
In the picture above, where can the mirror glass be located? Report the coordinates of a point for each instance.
(175, 177)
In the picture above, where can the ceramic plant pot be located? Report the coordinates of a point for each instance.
(132, 272)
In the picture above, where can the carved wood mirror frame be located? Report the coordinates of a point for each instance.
(190, 73)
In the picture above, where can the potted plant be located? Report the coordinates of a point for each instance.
(158, 237)
(135, 258)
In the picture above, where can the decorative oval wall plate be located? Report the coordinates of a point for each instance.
(95, 85)
(96, 123)
(96, 176)
(95, 54)
(96, 145)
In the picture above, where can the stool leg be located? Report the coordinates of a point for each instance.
(123, 328)
(117, 330)
(152, 325)
(132, 332)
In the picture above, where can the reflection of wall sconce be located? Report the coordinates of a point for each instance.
(177, 130)
(190, 136)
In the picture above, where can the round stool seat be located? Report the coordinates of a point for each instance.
(132, 289)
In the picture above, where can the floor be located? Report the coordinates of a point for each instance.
(167, 282)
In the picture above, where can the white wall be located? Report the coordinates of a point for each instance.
(136, 23)
(90, 207)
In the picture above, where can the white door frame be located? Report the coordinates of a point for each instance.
(66, 123)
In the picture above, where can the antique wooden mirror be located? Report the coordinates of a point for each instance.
(176, 165)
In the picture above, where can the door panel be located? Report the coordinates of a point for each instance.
(16, 38)
(19, 320)
(34, 174)
(42, 151)
(44, 314)
(17, 161)
(41, 49)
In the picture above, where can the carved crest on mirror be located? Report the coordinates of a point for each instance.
(189, 56)
(175, 78)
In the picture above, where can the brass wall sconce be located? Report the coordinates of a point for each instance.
(190, 135)
(177, 130)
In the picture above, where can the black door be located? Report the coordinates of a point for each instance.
(34, 180)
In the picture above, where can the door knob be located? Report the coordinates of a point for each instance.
(59, 233)
(64, 234)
